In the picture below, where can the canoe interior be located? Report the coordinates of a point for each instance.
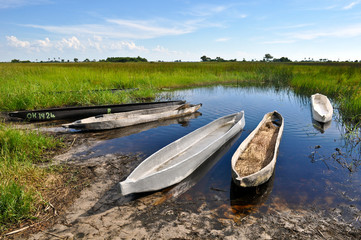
(183, 148)
(130, 114)
(260, 151)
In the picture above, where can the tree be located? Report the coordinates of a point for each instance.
(205, 58)
(76, 60)
(267, 57)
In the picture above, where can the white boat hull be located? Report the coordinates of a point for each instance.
(322, 109)
(125, 119)
(179, 159)
(264, 174)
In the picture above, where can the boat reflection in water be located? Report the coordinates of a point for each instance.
(321, 127)
(127, 131)
(246, 200)
(182, 187)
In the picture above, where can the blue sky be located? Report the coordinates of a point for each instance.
(179, 29)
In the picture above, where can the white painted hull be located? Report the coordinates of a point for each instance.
(266, 172)
(322, 109)
(125, 119)
(179, 159)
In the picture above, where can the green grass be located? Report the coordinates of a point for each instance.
(33, 85)
(19, 176)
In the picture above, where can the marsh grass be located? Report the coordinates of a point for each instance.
(35, 85)
(19, 176)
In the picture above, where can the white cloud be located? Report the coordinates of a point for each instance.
(44, 43)
(150, 28)
(351, 5)
(72, 43)
(121, 45)
(206, 10)
(121, 28)
(14, 42)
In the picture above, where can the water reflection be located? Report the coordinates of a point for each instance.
(245, 201)
(321, 127)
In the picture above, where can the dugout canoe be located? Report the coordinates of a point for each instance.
(179, 159)
(86, 111)
(125, 119)
(322, 109)
(254, 161)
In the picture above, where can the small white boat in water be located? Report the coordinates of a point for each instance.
(254, 161)
(179, 159)
(322, 109)
(125, 119)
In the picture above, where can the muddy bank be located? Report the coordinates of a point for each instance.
(100, 212)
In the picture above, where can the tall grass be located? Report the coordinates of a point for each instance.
(33, 85)
(19, 177)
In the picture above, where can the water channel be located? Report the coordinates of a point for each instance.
(317, 167)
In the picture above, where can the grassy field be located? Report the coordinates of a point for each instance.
(35, 86)
(42, 85)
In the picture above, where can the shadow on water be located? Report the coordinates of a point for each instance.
(113, 198)
(321, 127)
(245, 201)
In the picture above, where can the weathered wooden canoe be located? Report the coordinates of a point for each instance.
(254, 161)
(179, 159)
(321, 108)
(87, 111)
(125, 119)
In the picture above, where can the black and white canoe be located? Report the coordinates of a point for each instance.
(86, 111)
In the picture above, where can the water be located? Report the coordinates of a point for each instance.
(313, 164)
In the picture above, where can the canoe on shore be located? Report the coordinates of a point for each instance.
(87, 111)
(125, 119)
(179, 159)
(322, 109)
(254, 161)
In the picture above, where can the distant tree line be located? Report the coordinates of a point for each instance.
(124, 59)
(217, 59)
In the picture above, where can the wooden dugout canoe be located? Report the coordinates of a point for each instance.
(254, 161)
(322, 109)
(179, 159)
(87, 111)
(125, 119)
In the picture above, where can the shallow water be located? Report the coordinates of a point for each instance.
(312, 169)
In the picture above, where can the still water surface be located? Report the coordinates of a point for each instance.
(312, 164)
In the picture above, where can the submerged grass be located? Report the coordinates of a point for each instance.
(19, 176)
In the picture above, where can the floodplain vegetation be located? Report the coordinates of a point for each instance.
(43, 85)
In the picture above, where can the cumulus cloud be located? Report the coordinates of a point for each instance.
(72, 43)
(121, 45)
(15, 42)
